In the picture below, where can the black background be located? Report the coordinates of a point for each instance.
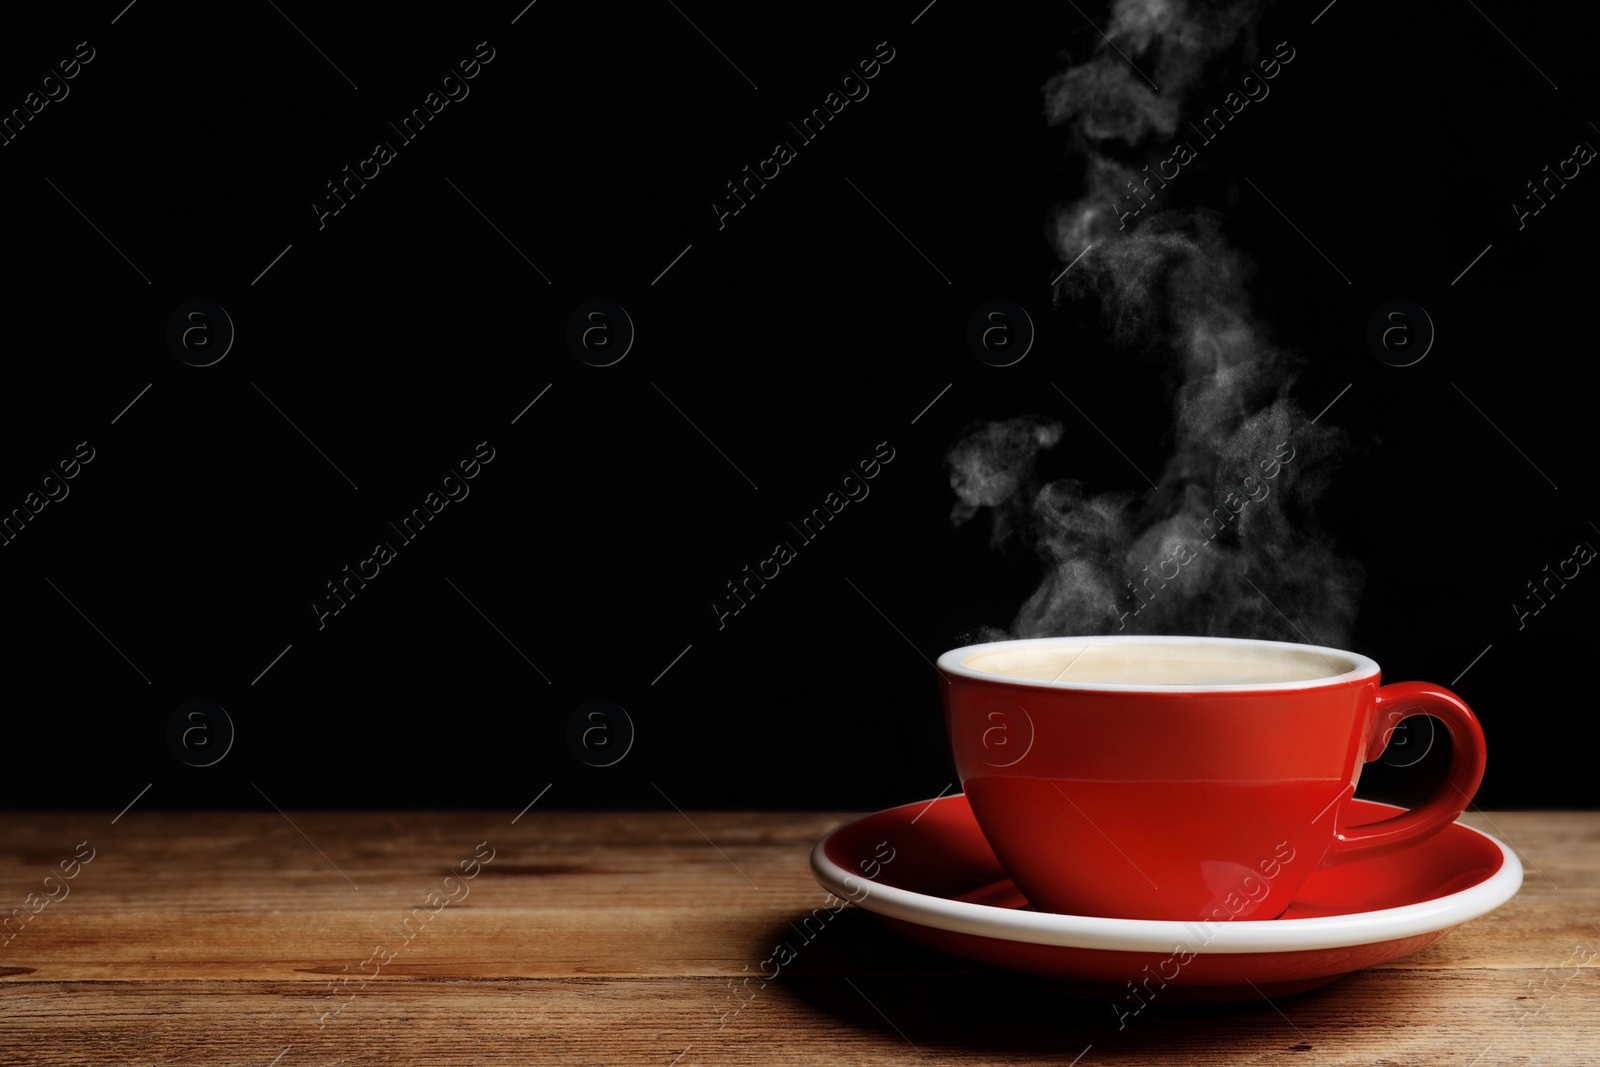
(774, 354)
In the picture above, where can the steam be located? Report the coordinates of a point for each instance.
(1223, 542)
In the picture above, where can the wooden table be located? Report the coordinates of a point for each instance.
(610, 938)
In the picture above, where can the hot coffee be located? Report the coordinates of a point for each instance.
(1183, 777)
(1134, 663)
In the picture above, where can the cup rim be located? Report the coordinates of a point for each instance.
(951, 663)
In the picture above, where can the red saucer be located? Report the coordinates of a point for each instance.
(943, 886)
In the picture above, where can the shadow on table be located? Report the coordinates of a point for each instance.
(857, 971)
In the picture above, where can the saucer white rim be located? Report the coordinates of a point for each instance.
(953, 662)
(1152, 935)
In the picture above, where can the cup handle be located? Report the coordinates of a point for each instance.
(1395, 703)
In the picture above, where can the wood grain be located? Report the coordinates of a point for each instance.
(217, 938)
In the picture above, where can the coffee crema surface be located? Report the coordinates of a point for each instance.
(1159, 664)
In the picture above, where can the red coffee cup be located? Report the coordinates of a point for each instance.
(1183, 778)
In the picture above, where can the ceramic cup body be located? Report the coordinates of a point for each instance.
(1197, 800)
